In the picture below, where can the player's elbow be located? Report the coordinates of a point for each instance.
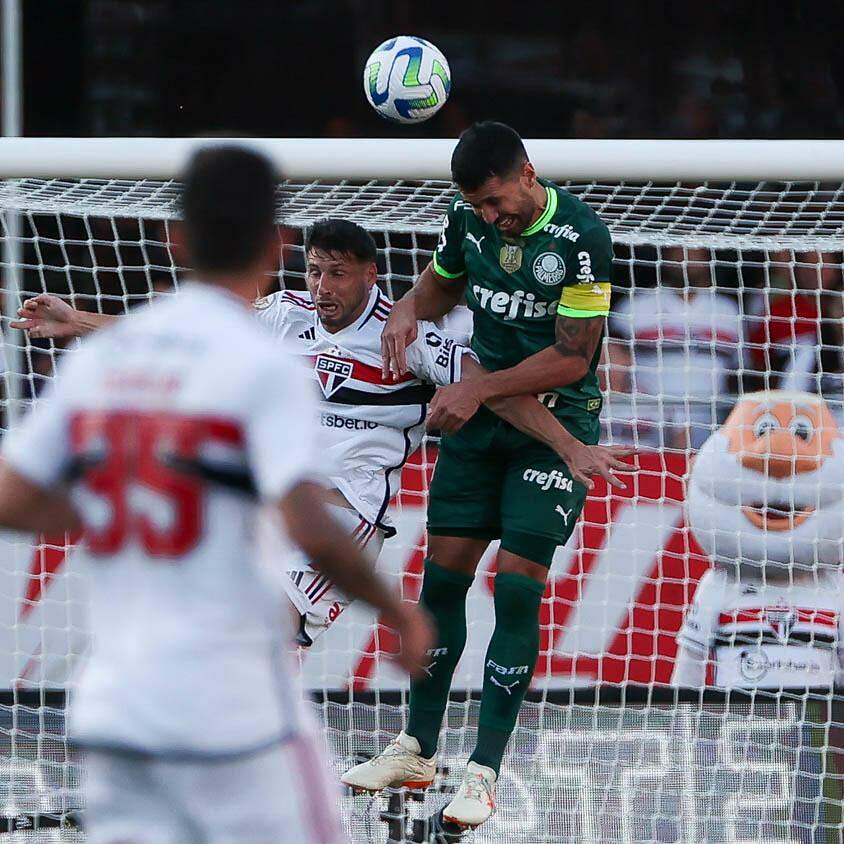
(572, 367)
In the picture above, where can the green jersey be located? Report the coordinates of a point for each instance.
(516, 287)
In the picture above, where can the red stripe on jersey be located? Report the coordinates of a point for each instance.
(287, 296)
(367, 373)
(825, 618)
(738, 616)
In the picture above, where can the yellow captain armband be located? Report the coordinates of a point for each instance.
(585, 300)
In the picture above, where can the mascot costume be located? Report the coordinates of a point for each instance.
(765, 501)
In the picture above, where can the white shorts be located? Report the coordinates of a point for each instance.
(317, 600)
(278, 795)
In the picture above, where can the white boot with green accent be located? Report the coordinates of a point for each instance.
(399, 765)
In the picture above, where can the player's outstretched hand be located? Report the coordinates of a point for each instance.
(46, 315)
(417, 636)
(399, 332)
(584, 461)
(453, 406)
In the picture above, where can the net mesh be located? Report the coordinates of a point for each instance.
(719, 290)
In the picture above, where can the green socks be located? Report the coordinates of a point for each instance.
(509, 664)
(444, 596)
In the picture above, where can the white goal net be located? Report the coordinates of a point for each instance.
(721, 289)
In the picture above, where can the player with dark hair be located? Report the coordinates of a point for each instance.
(534, 264)
(371, 423)
(163, 444)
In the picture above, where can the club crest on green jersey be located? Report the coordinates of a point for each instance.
(510, 257)
(549, 268)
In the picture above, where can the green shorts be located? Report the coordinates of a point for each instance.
(494, 482)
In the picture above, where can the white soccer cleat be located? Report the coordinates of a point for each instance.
(400, 764)
(474, 802)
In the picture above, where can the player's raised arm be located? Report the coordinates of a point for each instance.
(437, 290)
(46, 315)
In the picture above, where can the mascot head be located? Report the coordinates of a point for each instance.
(767, 489)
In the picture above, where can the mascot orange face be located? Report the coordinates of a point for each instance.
(767, 489)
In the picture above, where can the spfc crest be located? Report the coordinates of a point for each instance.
(781, 620)
(510, 257)
(332, 373)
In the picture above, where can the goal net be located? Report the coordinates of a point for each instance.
(721, 289)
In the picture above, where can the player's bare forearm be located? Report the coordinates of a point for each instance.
(430, 298)
(48, 316)
(531, 417)
(433, 296)
(526, 413)
(332, 551)
(566, 362)
(27, 507)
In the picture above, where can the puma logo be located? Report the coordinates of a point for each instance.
(476, 241)
(507, 687)
(564, 513)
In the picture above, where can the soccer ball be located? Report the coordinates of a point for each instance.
(406, 79)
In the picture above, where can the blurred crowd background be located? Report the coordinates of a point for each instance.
(607, 68)
(690, 327)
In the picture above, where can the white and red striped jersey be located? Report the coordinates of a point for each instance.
(767, 635)
(682, 346)
(370, 424)
(170, 439)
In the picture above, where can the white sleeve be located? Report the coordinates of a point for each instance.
(282, 427)
(436, 357)
(699, 621)
(39, 447)
(458, 324)
(689, 668)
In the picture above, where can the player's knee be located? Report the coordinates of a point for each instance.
(526, 554)
(456, 553)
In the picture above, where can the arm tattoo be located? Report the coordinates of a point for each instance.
(578, 337)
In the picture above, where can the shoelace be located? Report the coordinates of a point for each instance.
(479, 789)
(391, 750)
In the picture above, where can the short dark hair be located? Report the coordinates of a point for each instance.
(228, 205)
(335, 235)
(486, 149)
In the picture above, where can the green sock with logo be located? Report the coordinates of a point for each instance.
(509, 664)
(444, 596)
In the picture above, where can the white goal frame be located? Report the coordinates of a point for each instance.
(428, 158)
(729, 195)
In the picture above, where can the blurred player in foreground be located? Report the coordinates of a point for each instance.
(766, 502)
(371, 422)
(161, 442)
(534, 264)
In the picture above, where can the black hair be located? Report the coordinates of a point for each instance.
(335, 235)
(228, 205)
(486, 149)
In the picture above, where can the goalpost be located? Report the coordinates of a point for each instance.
(605, 750)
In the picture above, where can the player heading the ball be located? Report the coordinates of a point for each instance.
(534, 264)
(163, 443)
(371, 422)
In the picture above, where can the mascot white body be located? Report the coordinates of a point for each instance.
(765, 501)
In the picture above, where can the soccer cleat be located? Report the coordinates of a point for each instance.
(474, 802)
(399, 765)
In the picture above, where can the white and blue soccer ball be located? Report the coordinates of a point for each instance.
(407, 79)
